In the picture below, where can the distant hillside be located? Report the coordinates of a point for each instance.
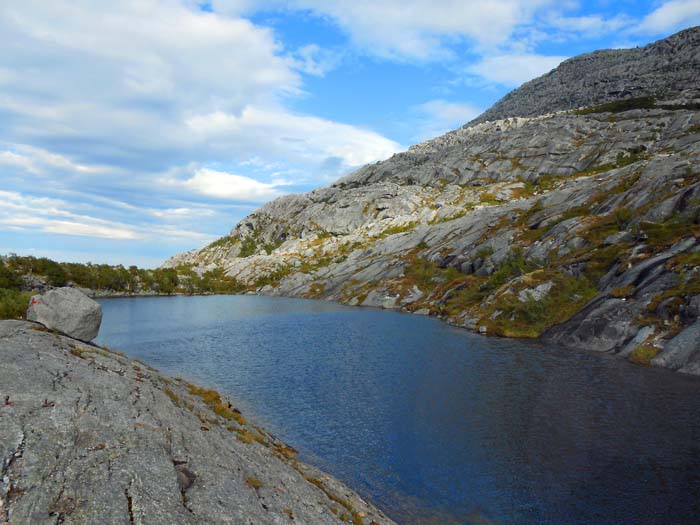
(580, 226)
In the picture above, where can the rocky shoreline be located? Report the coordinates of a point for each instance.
(88, 435)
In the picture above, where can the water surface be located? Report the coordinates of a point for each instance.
(433, 424)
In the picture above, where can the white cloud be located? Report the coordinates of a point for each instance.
(117, 83)
(513, 70)
(10, 158)
(47, 215)
(277, 133)
(419, 29)
(98, 100)
(223, 185)
(38, 161)
(315, 60)
(440, 116)
(590, 25)
(182, 213)
(671, 16)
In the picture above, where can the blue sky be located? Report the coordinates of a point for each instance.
(133, 130)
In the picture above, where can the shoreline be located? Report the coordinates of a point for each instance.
(445, 321)
(193, 439)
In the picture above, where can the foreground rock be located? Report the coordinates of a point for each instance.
(89, 436)
(68, 311)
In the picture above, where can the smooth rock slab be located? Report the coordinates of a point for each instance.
(67, 310)
(88, 436)
(681, 349)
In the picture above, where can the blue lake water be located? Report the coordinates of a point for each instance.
(433, 424)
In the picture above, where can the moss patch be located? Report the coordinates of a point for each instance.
(643, 354)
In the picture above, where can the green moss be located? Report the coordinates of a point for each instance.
(643, 354)
(684, 260)
(254, 483)
(488, 198)
(213, 399)
(173, 397)
(402, 228)
(623, 292)
(619, 106)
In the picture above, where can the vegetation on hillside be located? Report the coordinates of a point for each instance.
(19, 275)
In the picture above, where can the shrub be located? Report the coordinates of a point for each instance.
(670, 232)
(9, 278)
(531, 318)
(225, 241)
(248, 247)
(13, 304)
(513, 266)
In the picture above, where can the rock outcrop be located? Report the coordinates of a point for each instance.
(668, 69)
(67, 310)
(581, 226)
(89, 436)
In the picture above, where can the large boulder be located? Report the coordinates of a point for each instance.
(681, 351)
(67, 310)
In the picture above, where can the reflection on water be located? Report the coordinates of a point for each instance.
(433, 424)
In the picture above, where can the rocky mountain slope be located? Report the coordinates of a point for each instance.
(669, 68)
(89, 436)
(578, 225)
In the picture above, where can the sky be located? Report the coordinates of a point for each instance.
(133, 130)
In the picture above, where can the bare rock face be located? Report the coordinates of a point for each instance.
(669, 67)
(683, 351)
(67, 310)
(89, 436)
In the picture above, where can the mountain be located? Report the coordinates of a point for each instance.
(669, 68)
(568, 211)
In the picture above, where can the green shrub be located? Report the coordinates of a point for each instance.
(248, 247)
(513, 266)
(13, 303)
(531, 317)
(225, 241)
(9, 278)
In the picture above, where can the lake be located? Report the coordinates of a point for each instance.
(432, 424)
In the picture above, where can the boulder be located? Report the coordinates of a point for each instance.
(67, 310)
(679, 350)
